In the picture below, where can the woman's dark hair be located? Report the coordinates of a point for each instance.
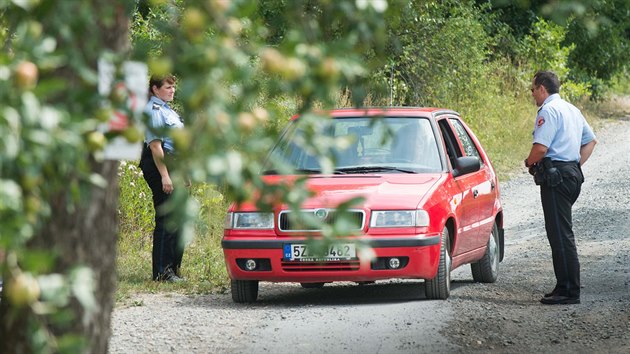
(159, 81)
(549, 80)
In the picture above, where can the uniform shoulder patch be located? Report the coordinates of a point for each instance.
(540, 121)
(156, 106)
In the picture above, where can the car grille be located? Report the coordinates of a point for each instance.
(328, 216)
(320, 266)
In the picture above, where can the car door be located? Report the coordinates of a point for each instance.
(482, 183)
(467, 216)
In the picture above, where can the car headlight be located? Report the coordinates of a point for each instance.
(249, 220)
(399, 218)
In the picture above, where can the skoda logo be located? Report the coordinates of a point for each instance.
(321, 213)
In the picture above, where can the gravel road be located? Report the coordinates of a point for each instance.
(394, 316)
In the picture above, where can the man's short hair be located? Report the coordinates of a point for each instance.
(549, 80)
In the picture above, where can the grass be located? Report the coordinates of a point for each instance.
(202, 265)
(503, 125)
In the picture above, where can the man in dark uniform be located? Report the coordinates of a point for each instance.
(563, 141)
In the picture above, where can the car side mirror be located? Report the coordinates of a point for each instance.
(465, 165)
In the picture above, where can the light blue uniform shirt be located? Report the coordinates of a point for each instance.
(561, 127)
(161, 119)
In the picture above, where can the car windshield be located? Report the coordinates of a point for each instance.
(359, 145)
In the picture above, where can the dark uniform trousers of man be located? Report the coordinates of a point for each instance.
(167, 248)
(557, 203)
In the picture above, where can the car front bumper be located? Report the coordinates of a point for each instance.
(418, 256)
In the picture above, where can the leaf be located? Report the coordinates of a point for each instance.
(83, 285)
(26, 4)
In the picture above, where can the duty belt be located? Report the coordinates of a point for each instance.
(561, 164)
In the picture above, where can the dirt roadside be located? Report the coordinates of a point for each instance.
(507, 317)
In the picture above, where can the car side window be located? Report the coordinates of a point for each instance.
(464, 137)
(452, 147)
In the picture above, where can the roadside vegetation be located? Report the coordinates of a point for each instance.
(467, 56)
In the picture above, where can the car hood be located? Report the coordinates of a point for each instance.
(384, 191)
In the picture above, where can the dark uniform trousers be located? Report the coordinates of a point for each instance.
(557, 203)
(167, 247)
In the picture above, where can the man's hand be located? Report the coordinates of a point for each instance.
(532, 170)
(167, 185)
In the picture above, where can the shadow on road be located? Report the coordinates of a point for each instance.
(341, 294)
(345, 293)
(283, 295)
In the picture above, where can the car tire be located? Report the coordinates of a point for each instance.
(486, 270)
(440, 286)
(244, 291)
(312, 285)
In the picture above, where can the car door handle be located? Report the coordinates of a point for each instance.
(475, 193)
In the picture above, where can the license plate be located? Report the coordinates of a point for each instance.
(303, 252)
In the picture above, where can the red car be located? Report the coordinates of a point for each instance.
(430, 202)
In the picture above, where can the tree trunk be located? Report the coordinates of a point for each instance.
(85, 236)
(82, 233)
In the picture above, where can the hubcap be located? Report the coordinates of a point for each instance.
(493, 251)
(448, 261)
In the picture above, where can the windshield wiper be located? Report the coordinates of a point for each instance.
(307, 171)
(298, 171)
(302, 171)
(370, 169)
(346, 170)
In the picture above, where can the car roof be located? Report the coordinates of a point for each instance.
(388, 112)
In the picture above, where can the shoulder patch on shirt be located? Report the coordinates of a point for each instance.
(540, 121)
(156, 106)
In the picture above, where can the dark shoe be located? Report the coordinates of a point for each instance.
(553, 293)
(170, 277)
(173, 279)
(559, 300)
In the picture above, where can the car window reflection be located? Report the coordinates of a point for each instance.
(384, 145)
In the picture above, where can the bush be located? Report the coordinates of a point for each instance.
(543, 49)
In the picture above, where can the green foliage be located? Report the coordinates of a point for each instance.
(543, 49)
(427, 64)
(596, 33)
(600, 39)
(621, 83)
(136, 206)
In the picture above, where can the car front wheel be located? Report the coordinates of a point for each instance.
(244, 291)
(486, 270)
(440, 286)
